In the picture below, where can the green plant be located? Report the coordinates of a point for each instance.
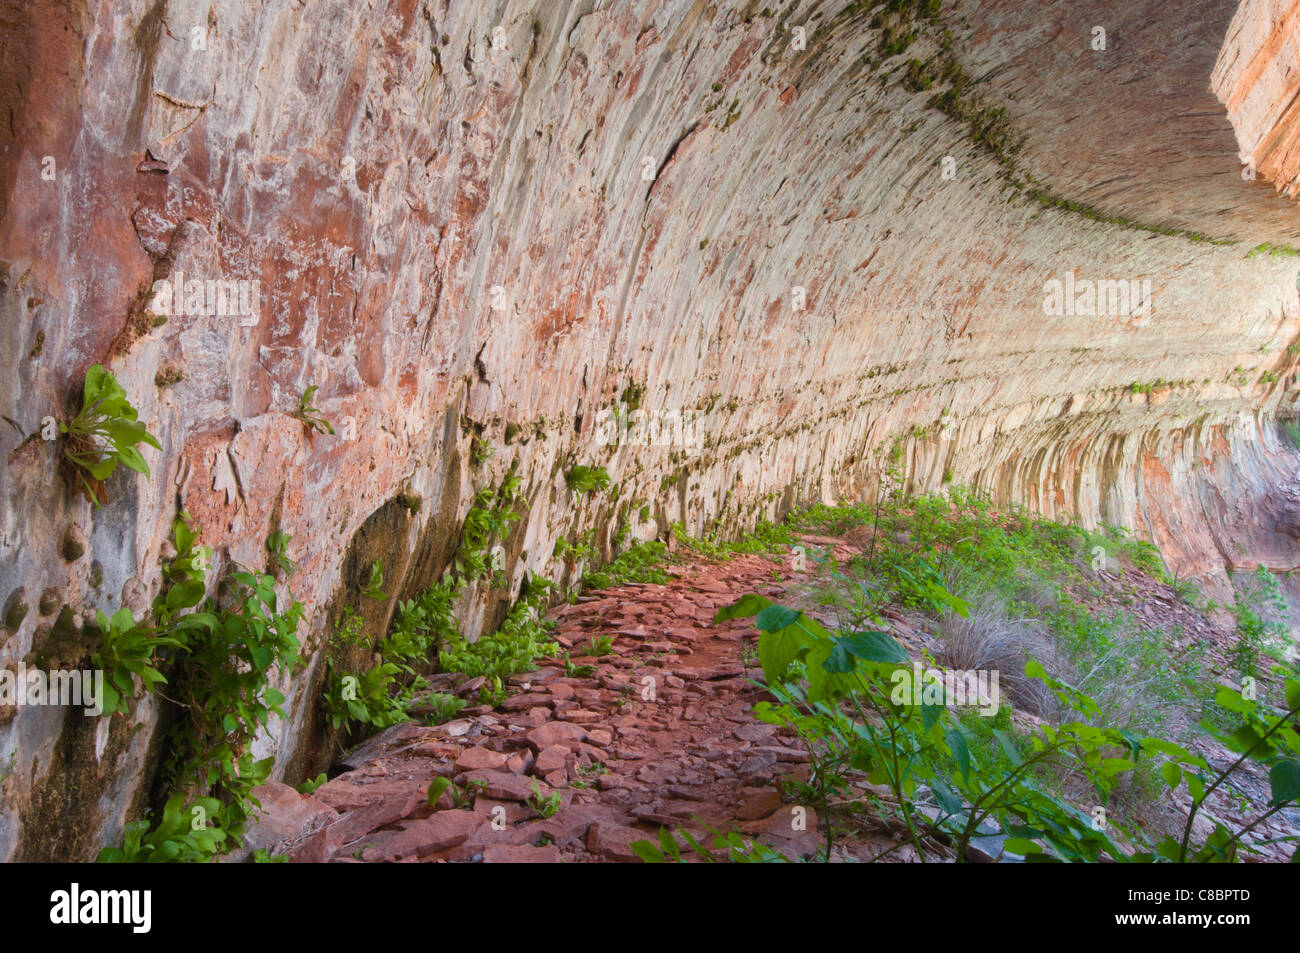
(310, 416)
(364, 698)
(443, 707)
(895, 41)
(226, 648)
(546, 806)
(765, 538)
(459, 798)
(278, 562)
(438, 787)
(599, 646)
(493, 692)
(374, 587)
(734, 846)
(127, 651)
(1279, 251)
(182, 835)
(839, 691)
(311, 784)
(167, 376)
(480, 451)
(489, 518)
(582, 479)
(584, 551)
(422, 625)
(349, 633)
(1254, 632)
(1266, 735)
(103, 435)
(234, 645)
(1291, 431)
(523, 637)
(643, 562)
(917, 77)
(572, 670)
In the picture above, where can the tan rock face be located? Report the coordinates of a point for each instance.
(468, 223)
(1255, 79)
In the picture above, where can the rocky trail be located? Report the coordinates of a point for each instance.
(658, 734)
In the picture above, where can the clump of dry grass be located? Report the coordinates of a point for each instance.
(992, 639)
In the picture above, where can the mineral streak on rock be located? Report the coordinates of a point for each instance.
(474, 221)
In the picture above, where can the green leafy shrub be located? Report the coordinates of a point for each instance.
(583, 551)
(524, 637)
(234, 644)
(480, 451)
(460, 797)
(582, 479)
(489, 519)
(643, 562)
(278, 561)
(127, 651)
(1256, 636)
(443, 707)
(1269, 736)
(1030, 580)
(176, 839)
(309, 786)
(103, 435)
(365, 698)
(766, 537)
(574, 670)
(837, 691)
(736, 848)
(422, 625)
(224, 650)
(599, 647)
(545, 805)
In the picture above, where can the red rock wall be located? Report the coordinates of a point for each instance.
(381, 169)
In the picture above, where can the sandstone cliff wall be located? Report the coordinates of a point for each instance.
(495, 220)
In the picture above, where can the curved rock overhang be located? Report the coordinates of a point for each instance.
(498, 221)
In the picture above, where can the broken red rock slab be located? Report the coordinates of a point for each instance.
(555, 733)
(792, 830)
(613, 841)
(479, 758)
(286, 821)
(421, 838)
(349, 792)
(506, 785)
(551, 759)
